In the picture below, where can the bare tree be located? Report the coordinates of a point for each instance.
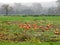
(58, 7)
(37, 8)
(7, 8)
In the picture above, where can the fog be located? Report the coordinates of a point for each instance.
(46, 8)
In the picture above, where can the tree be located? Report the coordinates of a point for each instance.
(58, 7)
(17, 7)
(52, 10)
(37, 8)
(7, 8)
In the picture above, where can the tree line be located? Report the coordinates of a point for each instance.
(34, 9)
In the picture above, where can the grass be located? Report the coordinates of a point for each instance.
(54, 19)
(27, 43)
(15, 28)
(10, 18)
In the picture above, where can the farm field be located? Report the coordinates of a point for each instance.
(18, 30)
(26, 43)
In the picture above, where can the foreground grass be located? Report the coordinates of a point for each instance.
(15, 28)
(27, 43)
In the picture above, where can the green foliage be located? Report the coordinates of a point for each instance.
(10, 31)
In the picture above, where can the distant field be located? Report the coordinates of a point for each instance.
(18, 18)
(9, 29)
(54, 19)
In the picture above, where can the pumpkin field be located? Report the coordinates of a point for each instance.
(19, 30)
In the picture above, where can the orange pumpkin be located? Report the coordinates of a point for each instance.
(49, 25)
(34, 25)
(28, 25)
(46, 28)
(40, 26)
(24, 26)
(21, 25)
(56, 32)
(35, 28)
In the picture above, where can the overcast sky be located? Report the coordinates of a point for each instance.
(24, 1)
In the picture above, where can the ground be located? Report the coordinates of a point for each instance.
(9, 29)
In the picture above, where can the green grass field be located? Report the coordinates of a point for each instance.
(9, 29)
(56, 18)
(26, 43)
